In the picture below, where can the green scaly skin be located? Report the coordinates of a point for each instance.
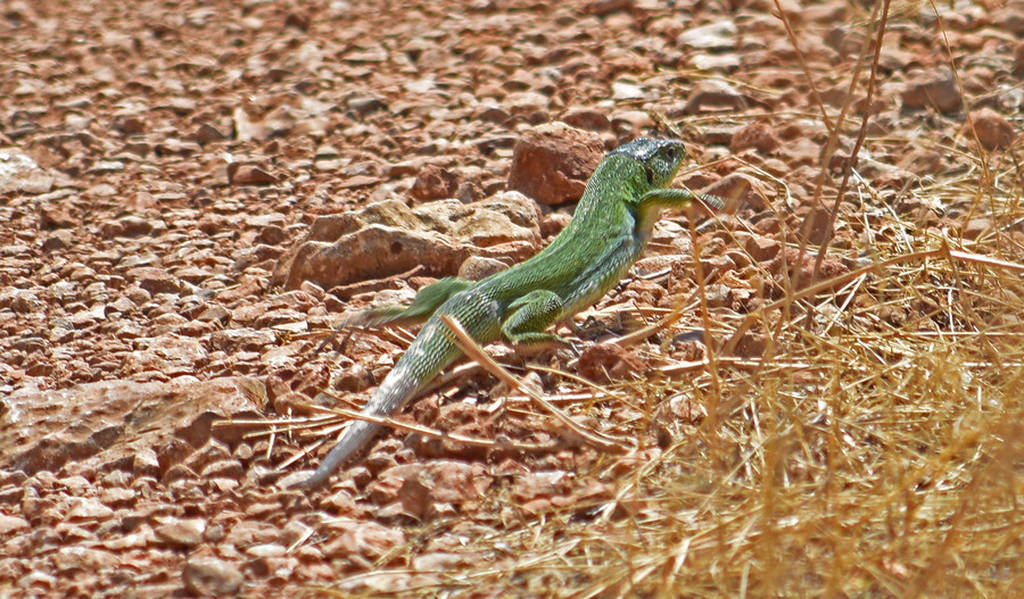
(608, 232)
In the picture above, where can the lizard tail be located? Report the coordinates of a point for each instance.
(427, 356)
(356, 437)
(397, 388)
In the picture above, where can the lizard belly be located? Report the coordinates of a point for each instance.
(604, 273)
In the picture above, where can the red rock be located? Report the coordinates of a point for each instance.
(1009, 17)
(716, 267)
(713, 95)
(817, 225)
(932, 89)
(442, 481)
(10, 524)
(248, 288)
(587, 118)
(434, 183)
(224, 469)
(272, 235)
(602, 8)
(241, 339)
(145, 463)
(738, 191)
(110, 230)
(88, 508)
(368, 540)
(761, 248)
(540, 485)
(717, 36)
(155, 280)
(183, 532)
(369, 253)
(604, 362)
(84, 559)
(921, 161)
(992, 129)
(631, 123)
(800, 151)
(249, 174)
(56, 217)
(528, 105)
(60, 239)
(211, 577)
(76, 423)
(551, 163)
(753, 345)
(975, 227)
(207, 133)
(845, 41)
(790, 256)
(21, 301)
(266, 550)
(760, 136)
(299, 19)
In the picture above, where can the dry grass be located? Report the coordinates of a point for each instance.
(869, 456)
(879, 451)
(875, 448)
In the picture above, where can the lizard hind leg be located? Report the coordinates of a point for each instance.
(422, 307)
(529, 315)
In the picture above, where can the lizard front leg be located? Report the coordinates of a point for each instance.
(671, 197)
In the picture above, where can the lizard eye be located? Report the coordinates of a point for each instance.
(670, 153)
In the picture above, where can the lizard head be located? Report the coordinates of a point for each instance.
(660, 158)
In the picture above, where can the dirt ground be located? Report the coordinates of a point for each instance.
(161, 161)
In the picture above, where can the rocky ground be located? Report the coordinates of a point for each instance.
(183, 193)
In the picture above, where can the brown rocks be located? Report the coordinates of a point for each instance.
(367, 540)
(185, 533)
(433, 183)
(718, 36)
(713, 95)
(373, 252)
(605, 7)
(989, 128)
(932, 89)
(761, 248)
(211, 577)
(97, 420)
(738, 191)
(155, 280)
(976, 227)
(759, 136)
(390, 238)
(604, 362)
(11, 524)
(551, 163)
(817, 226)
(20, 173)
(249, 174)
(587, 118)
(422, 489)
(475, 268)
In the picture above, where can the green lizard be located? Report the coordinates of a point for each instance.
(609, 230)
